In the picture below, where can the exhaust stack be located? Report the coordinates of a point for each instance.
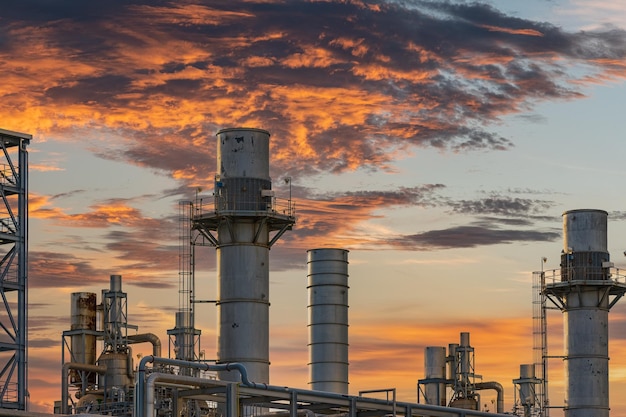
(585, 295)
(244, 214)
(328, 319)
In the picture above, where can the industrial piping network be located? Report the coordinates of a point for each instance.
(244, 213)
(230, 394)
(460, 377)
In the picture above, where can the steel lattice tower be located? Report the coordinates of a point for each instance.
(13, 270)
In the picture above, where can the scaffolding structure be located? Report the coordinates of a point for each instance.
(13, 270)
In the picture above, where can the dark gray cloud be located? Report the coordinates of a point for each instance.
(617, 215)
(501, 205)
(471, 236)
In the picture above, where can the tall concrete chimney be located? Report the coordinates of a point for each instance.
(585, 295)
(244, 215)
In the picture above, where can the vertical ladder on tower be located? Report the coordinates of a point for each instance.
(540, 342)
(184, 337)
(185, 262)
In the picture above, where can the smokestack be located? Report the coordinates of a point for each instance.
(244, 215)
(328, 319)
(584, 295)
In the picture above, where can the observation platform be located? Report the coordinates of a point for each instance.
(609, 281)
(211, 212)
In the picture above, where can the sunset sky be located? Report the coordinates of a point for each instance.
(438, 141)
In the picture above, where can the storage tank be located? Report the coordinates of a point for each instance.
(328, 319)
(119, 372)
(469, 403)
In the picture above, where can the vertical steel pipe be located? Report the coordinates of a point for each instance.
(328, 319)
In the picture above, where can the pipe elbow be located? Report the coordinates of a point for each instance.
(148, 337)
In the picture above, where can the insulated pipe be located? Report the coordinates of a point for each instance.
(156, 378)
(328, 319)
(78, 367)
(499, 390)
(147, 337)
(141, 374)
(437, 410)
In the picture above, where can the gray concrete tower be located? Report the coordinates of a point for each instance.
(248, 220)
(585, 294)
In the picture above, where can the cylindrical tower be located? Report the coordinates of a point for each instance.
(527, 396)
(243, 253)
(585, 294)
(435, 378)
(328, 319)
(83, 329)
(184, 337)
(452, 361)
(244, 215)
(527, 382)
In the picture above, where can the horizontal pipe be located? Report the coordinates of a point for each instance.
(437, 410)
(179, 380)
(141, 374)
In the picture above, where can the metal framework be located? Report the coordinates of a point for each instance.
(540, 343)
(13, 270)
(184, 337)
(464, 384)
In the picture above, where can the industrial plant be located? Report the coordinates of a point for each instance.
(242, 220)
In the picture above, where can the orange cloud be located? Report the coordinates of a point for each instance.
(525, 32)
